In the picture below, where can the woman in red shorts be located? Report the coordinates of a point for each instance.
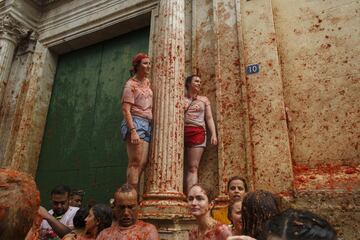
(197, 116)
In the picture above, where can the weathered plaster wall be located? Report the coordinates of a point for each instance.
(268, 136)
(12, 104)
(319, 47)
(203, 61)
(249, 110)
(35, 107)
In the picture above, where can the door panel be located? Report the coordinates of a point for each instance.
(82, 146)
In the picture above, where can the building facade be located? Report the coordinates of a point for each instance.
(283, 78)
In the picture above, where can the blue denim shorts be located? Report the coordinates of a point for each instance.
(142, 126)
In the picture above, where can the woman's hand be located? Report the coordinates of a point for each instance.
(134, 137)
(213, 140)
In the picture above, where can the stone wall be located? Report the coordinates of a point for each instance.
(319, 48)
(292, 128)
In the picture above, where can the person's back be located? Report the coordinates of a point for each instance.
(295, 224)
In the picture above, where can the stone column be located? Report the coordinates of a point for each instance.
(11, 32)
(164, 174)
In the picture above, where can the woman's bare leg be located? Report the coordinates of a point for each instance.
(193, 156)
(137, 158)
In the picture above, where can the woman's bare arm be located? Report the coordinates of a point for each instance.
(211, 125)
(134, 137)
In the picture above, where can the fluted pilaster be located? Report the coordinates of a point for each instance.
(7, 48)
(11, 32)
(164, 180)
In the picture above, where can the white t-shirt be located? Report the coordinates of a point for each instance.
(67, 220)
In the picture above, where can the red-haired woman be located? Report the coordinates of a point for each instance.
(137, 110)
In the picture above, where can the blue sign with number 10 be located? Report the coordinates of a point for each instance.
(253, 68)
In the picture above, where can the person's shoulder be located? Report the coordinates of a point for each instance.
(72, 210)
(203, 99)
(146, 225)
(149, 230)
(129, 82)
(107, 231)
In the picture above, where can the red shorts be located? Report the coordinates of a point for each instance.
(194, 136)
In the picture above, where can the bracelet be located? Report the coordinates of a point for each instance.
(132, 129)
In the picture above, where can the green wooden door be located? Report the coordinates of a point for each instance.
(82, 146)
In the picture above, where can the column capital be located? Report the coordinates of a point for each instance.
(28, 44)
(12, 29)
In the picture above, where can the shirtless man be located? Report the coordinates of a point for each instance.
(128, 227)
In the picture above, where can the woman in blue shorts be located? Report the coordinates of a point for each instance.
(137, 110)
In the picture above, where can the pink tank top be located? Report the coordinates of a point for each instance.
(196, 107)
(140, 96)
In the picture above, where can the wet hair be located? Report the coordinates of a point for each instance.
(237, 178)
(300, 225)
(209, 193)
(103, 214)
(19, 203)
(61, 190)
(257, 208)
(136, 62)
(188, 80)
(230, 208)
(79, 218)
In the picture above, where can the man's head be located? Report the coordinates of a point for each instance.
(76, 197)
(125, 205)
(60, 199)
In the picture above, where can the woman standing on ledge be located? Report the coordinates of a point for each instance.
(137, 110)
(197, 112)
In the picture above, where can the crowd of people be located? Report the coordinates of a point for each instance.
(248, 215)
(253, 215)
